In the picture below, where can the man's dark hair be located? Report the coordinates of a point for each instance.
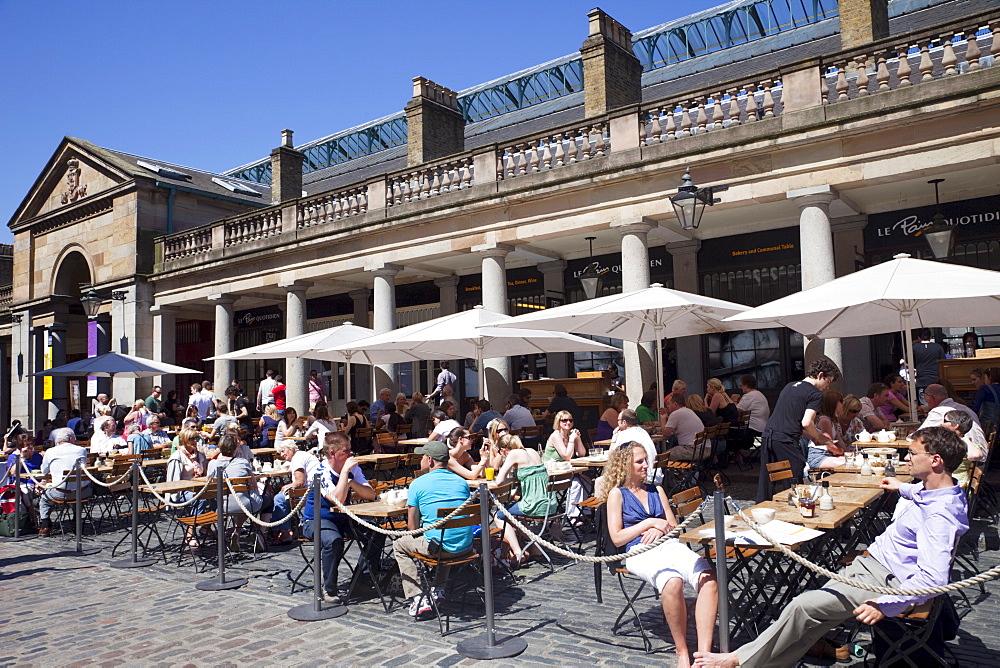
(484, 405)
(228, 445)
(269, 373)
(629, 417)
(944, 443)
(677, 398)
(231, 392)
(559, 390)
(923, 333)
(514, 400)
(960, 419)
(876, 389)
(279, 379)
(648, 398)
(440, 415)
(443, 364)
(824, 366)
(748, 381)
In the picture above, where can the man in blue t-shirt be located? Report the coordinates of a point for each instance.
(438, 488)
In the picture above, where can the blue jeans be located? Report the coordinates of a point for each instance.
(281, 510)
(332, 534)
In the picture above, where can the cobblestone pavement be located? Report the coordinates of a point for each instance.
(78, 611)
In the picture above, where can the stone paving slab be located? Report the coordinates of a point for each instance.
(78, 611)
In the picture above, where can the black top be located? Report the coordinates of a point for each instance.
(925, 357)
(566, 404)
(729, 413)
(707, 417)
(794, 400)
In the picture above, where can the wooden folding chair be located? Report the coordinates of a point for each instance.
(781, 471)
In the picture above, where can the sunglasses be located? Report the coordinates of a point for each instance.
(570, 420)
(500, 431)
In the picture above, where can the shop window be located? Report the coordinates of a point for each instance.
(753, 287)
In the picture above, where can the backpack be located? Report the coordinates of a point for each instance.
(7, 516)
(118, 412)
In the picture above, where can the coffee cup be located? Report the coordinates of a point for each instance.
(762, 515)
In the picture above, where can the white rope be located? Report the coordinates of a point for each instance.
(258, 521)
(106, 484)
(986, 576)
(413, 532)
(637, 550)
(171, 504)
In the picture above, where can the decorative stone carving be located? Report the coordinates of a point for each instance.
(74, 189)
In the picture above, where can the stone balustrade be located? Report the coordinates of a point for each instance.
(917, 58)
(429, 181)
(6, 295)
(554, 150)
(258, 225)
(186, 244)
(710, 112)
(329, 207)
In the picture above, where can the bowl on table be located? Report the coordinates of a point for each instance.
(762, 515)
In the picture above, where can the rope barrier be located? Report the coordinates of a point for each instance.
(260, 522)
(106, 484)
(411, 532)
(985, 576)
(172, 504)
(38, 479)
(637, 550)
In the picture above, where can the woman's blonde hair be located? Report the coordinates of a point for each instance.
(618, 468)
(695, 403)
(186, 435)
(510, 442)
(851, 403)
(138, 405)
(716, 385)
(271, 411)
(679, 386)
(561, 415)
(492, 427)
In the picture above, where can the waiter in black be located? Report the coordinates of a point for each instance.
(794, 413)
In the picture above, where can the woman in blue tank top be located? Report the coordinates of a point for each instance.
(639, 514)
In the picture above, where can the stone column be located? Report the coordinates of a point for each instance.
(447, 294)
(361, 384)
(296, 371)
(498, 369)
(223, 370)
(559, 365)
(21, 384)
(816, 248)
(165, 342)
(849, 249)
(384, 313)
(5, 384)
(55, 335)
(640, 363)
(102, 343)
(690, 364)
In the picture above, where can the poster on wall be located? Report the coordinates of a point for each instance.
(74, 395)
(47, 380)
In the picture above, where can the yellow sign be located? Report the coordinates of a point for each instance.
(47, 380)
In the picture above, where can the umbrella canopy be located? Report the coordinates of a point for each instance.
(116, 365)
(314, 345)
(650, 314)
(470, 334)
(893, 296)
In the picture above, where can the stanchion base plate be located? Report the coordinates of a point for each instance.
(503, 647)
(215, 585)
(85, 552)
(130, 563)
(18, 539)
(309, 613)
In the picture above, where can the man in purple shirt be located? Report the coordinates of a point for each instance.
(912, 553)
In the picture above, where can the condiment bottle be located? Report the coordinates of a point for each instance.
(890, 470)
(866, 468)
(807, 507)
(858, 458)
(825, 500)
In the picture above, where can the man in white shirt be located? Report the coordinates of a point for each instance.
(629, 431)
(442, 426)
(264, 396)
(200, 401)
(940, 404)
(208, 392)
(517, 416)
(685, 424)
(59, 458)
(876, 397)
(753, 400)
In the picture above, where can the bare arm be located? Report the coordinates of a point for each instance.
(809, 428)
(412, 518)
(620, 535)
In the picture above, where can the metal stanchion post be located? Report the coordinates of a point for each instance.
(78, 508)
(134, 561)
(220, 583)
(487, 646)
(722, 569)
(316, 611)
(17, 507)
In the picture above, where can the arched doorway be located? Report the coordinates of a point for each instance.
(78, 336)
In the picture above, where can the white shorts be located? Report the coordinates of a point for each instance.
(670, 560)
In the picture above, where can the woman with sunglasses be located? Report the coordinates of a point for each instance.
(460, 461)
(185, 464)
(563, 445)
(848, 419)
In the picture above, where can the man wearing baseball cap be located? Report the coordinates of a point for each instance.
(438, 488)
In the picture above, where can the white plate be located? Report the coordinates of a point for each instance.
(879, 451)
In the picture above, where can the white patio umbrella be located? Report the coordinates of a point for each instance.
(894, 296)
(116, 365)
(651, 314)
(314, 345)
(471, 334)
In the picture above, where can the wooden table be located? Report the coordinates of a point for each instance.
(257, 452)
(858, 497)
(858, 480)
(174, 486)
(898, 444)
(825, 519)
(413, 441)
(376, 457)
(378, 509)
(606, 443)
(587, 462)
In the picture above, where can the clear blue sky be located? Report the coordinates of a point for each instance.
(210, 84)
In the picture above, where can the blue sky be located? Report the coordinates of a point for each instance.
(210, 84)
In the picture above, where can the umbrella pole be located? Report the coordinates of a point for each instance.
(347, 377)
(482, 371)
(908, 350)
(659, 369)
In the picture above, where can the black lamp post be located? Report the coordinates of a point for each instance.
(590, 278)
(690, 201)
(940, 235)
(91, 302)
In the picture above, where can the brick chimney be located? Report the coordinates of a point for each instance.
(612, 75)
(863, 22)
(435, 127)
(286, 170)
